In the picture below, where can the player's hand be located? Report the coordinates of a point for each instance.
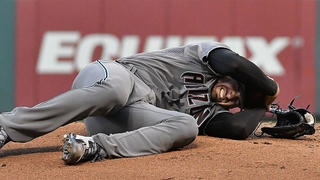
(270, 99)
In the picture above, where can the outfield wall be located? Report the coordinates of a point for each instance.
(7, 55)
(54, 39)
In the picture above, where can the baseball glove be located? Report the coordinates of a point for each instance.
(291, 123)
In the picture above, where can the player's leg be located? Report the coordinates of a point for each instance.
(94, 73)
(87, 77)
(109, 95)
(146, 130)
(150, 130)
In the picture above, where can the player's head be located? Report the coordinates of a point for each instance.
(227, 92)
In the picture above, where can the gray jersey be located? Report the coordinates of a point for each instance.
(179, 77)
(130, 115)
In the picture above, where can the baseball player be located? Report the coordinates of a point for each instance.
(150, 103)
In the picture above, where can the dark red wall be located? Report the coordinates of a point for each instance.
(285, 29)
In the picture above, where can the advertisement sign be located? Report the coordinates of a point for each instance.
(56, 39)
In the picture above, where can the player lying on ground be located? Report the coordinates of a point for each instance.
(150, 103)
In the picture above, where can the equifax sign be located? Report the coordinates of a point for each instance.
(70, 44)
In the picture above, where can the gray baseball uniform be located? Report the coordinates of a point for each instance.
(139, 105)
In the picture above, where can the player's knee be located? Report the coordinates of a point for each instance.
(192, 127)
(188, 131)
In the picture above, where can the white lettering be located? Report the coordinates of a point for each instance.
(130, 45)
(265, 55)
(173, 41)
(53, 48)
(58, 47)
(109, 43)
(236, 44)
(153, 43)
(198, 39)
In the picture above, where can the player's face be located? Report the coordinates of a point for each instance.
(226, 93)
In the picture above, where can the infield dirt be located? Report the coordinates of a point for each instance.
(205, 158)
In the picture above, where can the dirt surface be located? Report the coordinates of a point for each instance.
(206, 158)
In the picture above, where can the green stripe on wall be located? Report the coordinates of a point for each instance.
(7, 54)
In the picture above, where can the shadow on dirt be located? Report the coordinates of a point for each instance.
(20, 151)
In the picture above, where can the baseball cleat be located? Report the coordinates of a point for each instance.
(4, 139)
(78, 148)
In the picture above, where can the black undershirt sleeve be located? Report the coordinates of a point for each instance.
(235, 126)
(229, 63)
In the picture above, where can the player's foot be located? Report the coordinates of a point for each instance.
(3, 137)
(78, 148)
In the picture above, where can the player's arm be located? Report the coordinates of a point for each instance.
(229, 63)
(234, 126)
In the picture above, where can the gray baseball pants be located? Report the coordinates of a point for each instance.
(118, 113)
